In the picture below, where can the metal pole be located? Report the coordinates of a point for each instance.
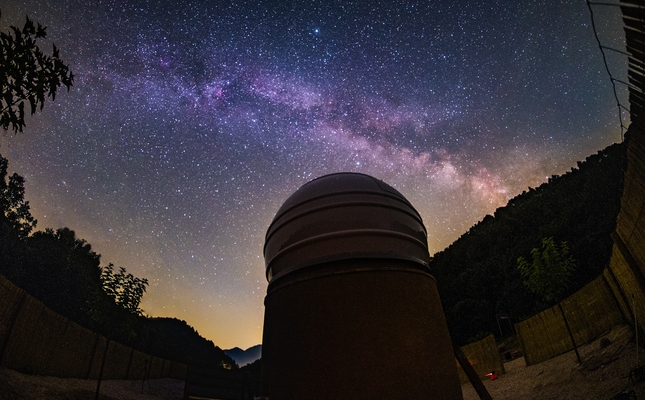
(499, 326)
(635, 326)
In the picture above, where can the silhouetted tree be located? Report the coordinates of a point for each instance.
(27, 74)
(63, 272)
(125, 289)
(548, 275)
(12, 201)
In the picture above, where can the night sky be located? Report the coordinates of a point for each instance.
(189, 124)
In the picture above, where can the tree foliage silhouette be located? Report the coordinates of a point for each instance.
(125, 289)
(548, 276)
(61, 270)
(12, 201)
(27, 74)
(549, 273)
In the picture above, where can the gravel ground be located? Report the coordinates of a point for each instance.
(14, 386)
(603, 374)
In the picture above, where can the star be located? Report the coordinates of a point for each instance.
(189, 125)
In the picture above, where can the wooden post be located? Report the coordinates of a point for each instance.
(98, 383)
(12, 320)
(573, 342)
(471, 374)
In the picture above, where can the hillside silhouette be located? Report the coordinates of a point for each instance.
(62, 271)
(477, 275)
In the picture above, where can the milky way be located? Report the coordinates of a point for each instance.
(190, 123)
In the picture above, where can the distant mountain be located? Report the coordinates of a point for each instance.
(243, 357)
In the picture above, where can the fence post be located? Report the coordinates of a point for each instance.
(573, 342)
(127, 371)
(12, 322)
(89, 367)
(471, 374)
(98, 384)
(621, 300)
(632, 265)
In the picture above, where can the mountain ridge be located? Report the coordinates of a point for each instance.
(244, 357)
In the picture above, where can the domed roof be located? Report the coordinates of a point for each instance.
(343, 216)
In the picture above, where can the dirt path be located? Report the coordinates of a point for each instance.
(604, 373)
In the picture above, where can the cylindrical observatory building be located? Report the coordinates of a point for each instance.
(352, 311)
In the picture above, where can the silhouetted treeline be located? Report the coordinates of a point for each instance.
(64, 273)
(477, 275)
(180, 342)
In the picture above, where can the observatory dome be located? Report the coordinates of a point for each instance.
(343, 216)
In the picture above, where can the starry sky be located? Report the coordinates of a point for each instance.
(191, 122)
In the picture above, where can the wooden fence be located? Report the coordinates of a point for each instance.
(590, 312)
(484, 357)
(37, 340)
(627, 267)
